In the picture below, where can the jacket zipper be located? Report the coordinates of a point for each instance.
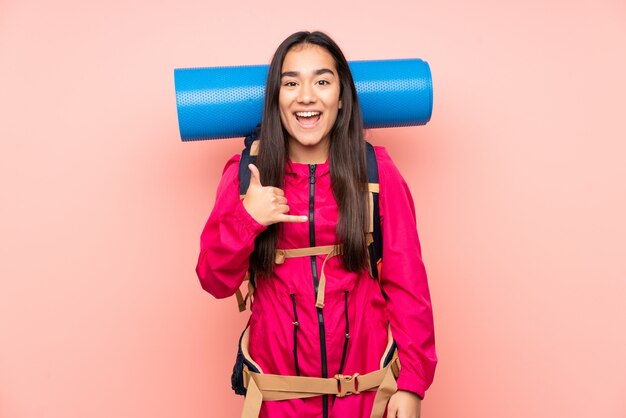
(320, 314)
(296, 324)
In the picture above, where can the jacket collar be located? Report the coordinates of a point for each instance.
(302, 169)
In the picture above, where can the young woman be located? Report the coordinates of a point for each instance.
(309, 189)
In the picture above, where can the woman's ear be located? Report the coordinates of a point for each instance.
(340, 104)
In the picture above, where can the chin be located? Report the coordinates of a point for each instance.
(309, 142)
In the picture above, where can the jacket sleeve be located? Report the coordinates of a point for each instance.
(403, 278)
(227, 239)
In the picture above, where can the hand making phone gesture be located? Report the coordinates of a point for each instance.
(267, 204)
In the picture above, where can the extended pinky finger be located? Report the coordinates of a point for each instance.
(292, 218)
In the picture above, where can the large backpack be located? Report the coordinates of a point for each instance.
(375, 249)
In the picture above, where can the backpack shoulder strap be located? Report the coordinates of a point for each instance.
(248, 156)
(376, 247)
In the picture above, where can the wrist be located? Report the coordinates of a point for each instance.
(248, 220)
(249, 208)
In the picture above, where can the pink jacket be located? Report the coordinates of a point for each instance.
(351, 299)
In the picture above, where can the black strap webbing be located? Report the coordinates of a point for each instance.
(246, 158)
(376, 249)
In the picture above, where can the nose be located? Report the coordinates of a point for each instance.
(306, 94)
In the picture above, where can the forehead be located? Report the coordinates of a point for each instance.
(306, 58)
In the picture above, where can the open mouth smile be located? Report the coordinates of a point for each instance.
(308, 120)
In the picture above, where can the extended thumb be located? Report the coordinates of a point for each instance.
(256, 176)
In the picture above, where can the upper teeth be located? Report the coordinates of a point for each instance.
(307, 114)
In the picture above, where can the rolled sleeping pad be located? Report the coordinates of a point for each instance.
(227, 102)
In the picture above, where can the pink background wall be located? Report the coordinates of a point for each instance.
(519, 183)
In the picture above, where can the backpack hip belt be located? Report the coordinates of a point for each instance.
(272, 387)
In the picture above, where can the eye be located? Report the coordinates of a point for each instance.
(290, 84)
(324, 82)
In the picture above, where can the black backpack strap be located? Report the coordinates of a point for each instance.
(376, 248)
(248, 156)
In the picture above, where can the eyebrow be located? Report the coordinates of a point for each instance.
(316, 72)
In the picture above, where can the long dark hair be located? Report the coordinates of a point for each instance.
(348, 170)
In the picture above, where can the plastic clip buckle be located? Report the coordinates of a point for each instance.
(347, 384)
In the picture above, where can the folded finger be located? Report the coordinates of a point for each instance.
(282, 208)
(278, 191)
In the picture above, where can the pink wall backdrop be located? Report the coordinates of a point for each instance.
(519, 182)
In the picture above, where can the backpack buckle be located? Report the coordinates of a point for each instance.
(347, 384)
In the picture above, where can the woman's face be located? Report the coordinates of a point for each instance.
(309, 99)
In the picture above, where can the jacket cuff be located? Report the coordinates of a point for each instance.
(410, 383)
(247, 222)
